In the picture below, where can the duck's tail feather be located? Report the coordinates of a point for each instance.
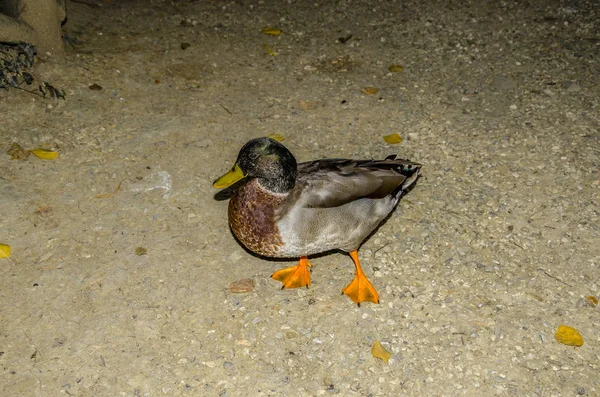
(409, 170)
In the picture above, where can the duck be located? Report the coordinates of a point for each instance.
(284, 209)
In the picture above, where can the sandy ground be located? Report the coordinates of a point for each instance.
(495, 247)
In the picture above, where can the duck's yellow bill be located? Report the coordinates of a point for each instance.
(229, 178)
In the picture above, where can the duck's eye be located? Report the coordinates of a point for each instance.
(253, 156)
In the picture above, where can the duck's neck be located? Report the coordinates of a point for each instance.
(281, 174)
(282, 183)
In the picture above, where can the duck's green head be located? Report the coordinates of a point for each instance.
(264, 159)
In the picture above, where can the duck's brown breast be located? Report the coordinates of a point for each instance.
(252, 218)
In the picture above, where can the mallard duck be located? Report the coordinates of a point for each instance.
(284, 209)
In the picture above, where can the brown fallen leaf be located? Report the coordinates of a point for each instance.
(308, 105)
(370, 90)
(43, 210)
(17, 152)
(139, 251)
(568, 336)
(109, 195)
(241, 286)
(379, 351)
(393, 139)
(591, 300)
(345, 39)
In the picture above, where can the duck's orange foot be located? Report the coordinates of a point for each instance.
(295, 276)
(360, 289)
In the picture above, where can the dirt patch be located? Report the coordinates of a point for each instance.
(494, 248)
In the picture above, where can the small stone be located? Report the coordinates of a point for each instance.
(229, 366)
(234, 256)
(534, 365)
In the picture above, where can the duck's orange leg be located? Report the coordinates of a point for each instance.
(295, 276)
(360, 289)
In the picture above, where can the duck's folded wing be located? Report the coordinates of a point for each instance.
(335, 182)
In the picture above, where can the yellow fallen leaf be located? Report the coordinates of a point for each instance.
(44, 154)
(109, 195)
(395, 68)
(568, 336)
(393, 139)
(379, 351)
(592, 300)
(370, 90)
(269, 51)
(277, 137)
(271, 31)
(139, 251)
(4, 251)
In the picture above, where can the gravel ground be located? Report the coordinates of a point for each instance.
(495, 247)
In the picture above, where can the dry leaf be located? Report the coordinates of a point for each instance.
(271, 31)
(43, 210)
(379, 351)
(393, 139)
(4, 251)
(241, 286)
(269, 51)
(44, 154)
(308, 105)
(395, 68)
(536, 297)
(344, 39)
(139, 251)
(591, 300)
(17, 152)
(568, 336)
(370, 90)
(277, 137)
(109, 195)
